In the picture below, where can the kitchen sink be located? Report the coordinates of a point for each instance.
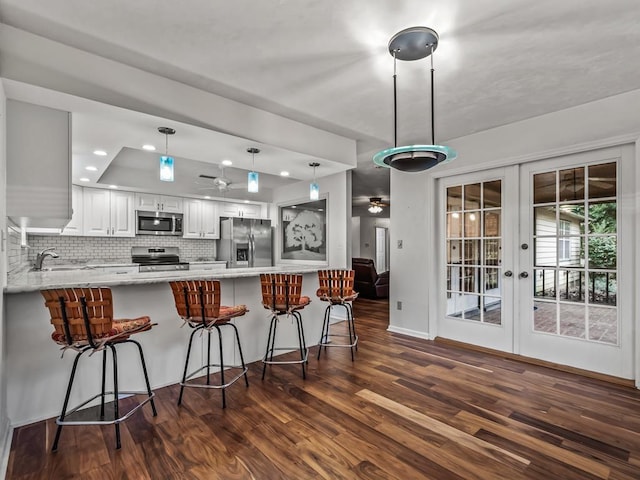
(62, 268)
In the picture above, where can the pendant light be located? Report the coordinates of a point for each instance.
(314, 188)
(166, 162)
(411, 44)
(253, 178)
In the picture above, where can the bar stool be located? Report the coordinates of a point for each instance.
(198, 304)
(83, 322)
(281, 294)
(336, 287)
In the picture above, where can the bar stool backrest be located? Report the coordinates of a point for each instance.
(192, 297)
(336, 284)
(73, 322)
(280, 291)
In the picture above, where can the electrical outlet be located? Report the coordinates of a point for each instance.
(399, 305)
(399, 243)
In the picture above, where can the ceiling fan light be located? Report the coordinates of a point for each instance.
(375, 209)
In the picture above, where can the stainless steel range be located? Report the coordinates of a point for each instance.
(158, 259)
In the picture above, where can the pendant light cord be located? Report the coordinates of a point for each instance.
(433, 116)
(395, 103)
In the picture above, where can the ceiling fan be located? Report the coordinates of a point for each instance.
(376, 204)
(220, 183)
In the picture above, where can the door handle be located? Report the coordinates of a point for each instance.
(508, 273)
(524, 274)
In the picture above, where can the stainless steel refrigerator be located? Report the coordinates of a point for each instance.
(245, 242)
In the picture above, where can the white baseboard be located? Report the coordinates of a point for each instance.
(410, 333)
(5, 446)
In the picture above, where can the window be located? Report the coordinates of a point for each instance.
(564, 242)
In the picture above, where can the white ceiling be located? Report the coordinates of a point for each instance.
(327, 64)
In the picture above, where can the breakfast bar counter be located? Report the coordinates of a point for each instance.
(37, 376)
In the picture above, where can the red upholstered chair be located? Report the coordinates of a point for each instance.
(198, 304)
(83, 322)
(282, 295)
(336, 288)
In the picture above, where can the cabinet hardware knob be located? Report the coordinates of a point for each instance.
(524, 274)
(508, 273)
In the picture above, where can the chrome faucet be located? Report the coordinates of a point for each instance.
(47, 252)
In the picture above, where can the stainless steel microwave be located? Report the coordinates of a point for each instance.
(158, 223)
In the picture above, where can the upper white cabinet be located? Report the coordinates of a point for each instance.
(200, 219)
(38, 143)
(108, 213)
(247, 210)
(158, 203)
(75, 226)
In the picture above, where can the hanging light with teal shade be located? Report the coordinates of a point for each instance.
(411, 44)
(166, 162)
(253, 185)
(314, 188)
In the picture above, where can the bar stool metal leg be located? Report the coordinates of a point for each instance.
(54, 447)
(146, 377)
(244, 367)
(186, 365)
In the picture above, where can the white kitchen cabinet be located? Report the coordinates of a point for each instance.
(75, 226)
(247, 210)
(200, 219)
(38, 171)
(158, 203)
(108, 213)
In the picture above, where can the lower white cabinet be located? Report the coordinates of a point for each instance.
(200, 219)
(108, 213)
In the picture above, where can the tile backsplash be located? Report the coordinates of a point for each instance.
(16, 255)
(73, 249)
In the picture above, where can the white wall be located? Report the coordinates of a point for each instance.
(335, 188)
(4, 424)
(611, 121)
(368, 235)
(355, 237)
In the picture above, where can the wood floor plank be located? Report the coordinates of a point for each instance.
(406, 408)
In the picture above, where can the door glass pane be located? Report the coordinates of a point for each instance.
(492, 252)
(454, 251)
(454, 198)
(472, 224)
(603, 252)
(571, 285)
(578, 252)
(472, 252)
(545, 317)
(602, 180)
(492, 223)
(602, 217)
(603, 288)
(473, 310)
(473, 231)
(492, 194)
(545, 252)
(544, 221)
(472, 196)
(571, 184)
(573, 320)
(545, 284)
(454, 225)
(492, 310)
(603, 324)
(544, 187)
(571, 251)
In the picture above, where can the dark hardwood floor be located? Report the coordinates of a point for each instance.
(405, 409)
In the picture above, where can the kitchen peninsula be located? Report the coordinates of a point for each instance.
(36, 374)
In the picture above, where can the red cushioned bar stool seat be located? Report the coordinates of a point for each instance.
(83, 322)
(198, 304)
(336, 288)
(282, 295)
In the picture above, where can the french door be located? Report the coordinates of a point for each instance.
(531, 260)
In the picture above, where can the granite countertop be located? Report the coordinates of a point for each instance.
(29, 281)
